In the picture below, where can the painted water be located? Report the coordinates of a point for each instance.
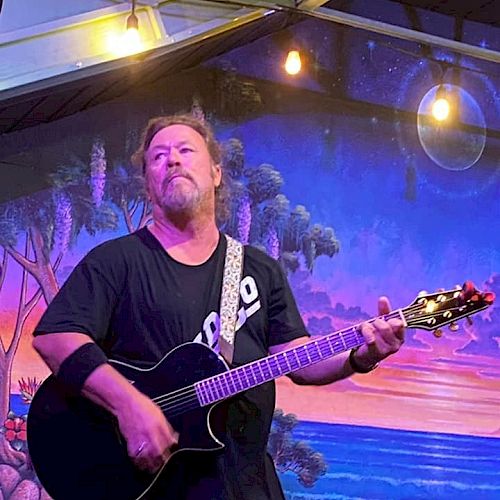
(374, 463)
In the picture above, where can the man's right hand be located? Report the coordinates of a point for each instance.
(150, 437)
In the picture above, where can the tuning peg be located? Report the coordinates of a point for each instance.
(454, 327)
(422, 293)
(469, 320)
(438, 333)
(489, 297)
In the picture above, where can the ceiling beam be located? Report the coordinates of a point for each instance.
(392, 30)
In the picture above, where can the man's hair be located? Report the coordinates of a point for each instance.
(205, 130)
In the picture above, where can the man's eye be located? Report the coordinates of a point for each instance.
(186, 150)
(159, 156)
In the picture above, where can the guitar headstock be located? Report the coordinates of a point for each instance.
(435, 310)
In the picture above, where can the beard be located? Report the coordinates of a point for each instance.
(180, 196)
(184, 199)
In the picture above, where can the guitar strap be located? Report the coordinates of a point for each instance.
(229, 301)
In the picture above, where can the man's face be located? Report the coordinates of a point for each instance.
(180, 174)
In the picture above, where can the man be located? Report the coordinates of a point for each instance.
(139, 296)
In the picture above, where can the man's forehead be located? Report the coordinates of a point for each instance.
(175, 134)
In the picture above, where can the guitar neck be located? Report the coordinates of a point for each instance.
(245, 377)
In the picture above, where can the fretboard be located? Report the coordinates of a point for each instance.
(263, 370)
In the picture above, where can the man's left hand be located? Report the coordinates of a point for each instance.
(383, 337)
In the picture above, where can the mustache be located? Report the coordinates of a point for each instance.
(177, 173)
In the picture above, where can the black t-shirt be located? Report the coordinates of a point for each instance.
(138, 303)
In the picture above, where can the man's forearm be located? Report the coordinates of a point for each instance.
(332, 369)
(324, 372)
(110, 389)
(104, 386)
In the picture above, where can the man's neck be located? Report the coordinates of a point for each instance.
(190, 243)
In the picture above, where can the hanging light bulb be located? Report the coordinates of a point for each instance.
(441, 105)
(128, 43)
(293, 64)
(133, 23)
(132, 38)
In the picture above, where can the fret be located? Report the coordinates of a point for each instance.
(224, 386)
(255, 374)
(253, 380)
(261, 372)
(218, 388)
(240, 377)
(343, 342)
(236, 381)
(293, 362)
(328, 348)
(200, 392)
(283, 361)
(306, 358)
(307, 354)
(210, 391)
(318, 351)
(228, 380)
(334, 346)
(247, 377)
(285, 357)
(276, 369)
(297, 357)
(269, 374)
(350, 339)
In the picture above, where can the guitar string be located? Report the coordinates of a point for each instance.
(177, 393)
(252, 378)
(183, 392)
(185, 400)
(185, 397)
(189, 400)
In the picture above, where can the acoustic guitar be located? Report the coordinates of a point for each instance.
(77, 450)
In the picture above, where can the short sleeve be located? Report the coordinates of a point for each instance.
(285, 322)
(84, 304)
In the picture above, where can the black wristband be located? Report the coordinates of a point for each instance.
(354, 364)
(76, 368)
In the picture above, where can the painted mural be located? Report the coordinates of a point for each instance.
(340, 177)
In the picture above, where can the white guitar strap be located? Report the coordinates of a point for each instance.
(229, 301)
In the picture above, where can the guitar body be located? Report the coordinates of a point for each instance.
(77, 450)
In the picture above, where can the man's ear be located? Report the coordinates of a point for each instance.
(217, 174)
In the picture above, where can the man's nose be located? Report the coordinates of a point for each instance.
(174, 158)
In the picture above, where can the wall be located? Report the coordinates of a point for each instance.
(369, 204)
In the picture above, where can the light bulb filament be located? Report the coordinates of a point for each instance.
(293, 63)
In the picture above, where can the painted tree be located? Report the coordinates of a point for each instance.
(48, 222)
(274, 216)
(97, 172)
(292, 455)
(233, 163)
(261, 215)
(8, 454)
(125, 187)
